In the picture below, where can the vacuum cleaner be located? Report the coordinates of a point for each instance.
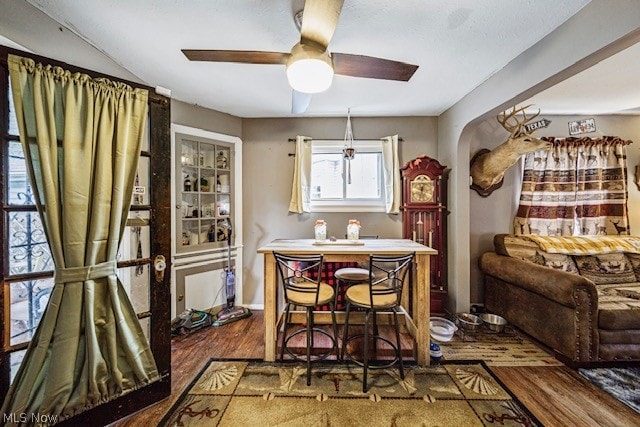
(190, 321)
(230, 313)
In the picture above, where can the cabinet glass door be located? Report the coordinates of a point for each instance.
(205, 194)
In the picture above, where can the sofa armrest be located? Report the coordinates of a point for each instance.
(558, 286)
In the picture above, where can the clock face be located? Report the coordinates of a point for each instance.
(422, 189)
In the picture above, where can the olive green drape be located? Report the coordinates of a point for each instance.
(82, 138)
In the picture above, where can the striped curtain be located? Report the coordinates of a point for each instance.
(578, 187)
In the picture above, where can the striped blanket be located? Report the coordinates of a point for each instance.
(586, 245)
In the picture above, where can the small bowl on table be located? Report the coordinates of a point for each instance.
(494, 322)
(469, 323)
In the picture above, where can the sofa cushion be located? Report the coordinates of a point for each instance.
(635, 264)
(627, 290)
(619, 306)
(616, 313)
(515, 246)
(605, 268)
(624, 336)
(556, 261)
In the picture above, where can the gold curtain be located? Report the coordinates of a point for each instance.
(301, 187)
(391, 174)
(81, 138)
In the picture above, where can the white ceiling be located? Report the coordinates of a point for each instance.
(611, 86)
(457, 44)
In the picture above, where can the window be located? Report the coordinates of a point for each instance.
(28, 257)
(331, 188)
(28, 266)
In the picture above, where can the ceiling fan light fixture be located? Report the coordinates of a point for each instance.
(309, 69)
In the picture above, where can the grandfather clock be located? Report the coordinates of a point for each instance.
(424, 219)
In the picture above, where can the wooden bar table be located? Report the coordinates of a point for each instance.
(341, 251)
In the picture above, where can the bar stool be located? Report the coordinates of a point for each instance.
(352, 275)
(383, 291)
(301, 280)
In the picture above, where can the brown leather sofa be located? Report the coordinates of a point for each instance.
(584, 307)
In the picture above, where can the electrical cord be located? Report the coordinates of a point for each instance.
(224, 277)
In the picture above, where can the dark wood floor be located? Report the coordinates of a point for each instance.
(558, 396)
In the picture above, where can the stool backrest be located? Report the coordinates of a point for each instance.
(299, 273)
(388, 275)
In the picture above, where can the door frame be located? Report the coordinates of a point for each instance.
(160, 242)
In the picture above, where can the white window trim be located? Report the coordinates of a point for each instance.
(325, 146)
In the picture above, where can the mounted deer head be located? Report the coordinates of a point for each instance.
(488, 167)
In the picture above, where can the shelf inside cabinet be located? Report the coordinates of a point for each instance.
(205, 188)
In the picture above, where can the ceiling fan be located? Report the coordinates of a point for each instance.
(310, 66)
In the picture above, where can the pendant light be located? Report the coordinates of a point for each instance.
(348, 151)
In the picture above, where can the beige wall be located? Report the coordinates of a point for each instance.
(494, 214)
(204, 118)
(268, 171)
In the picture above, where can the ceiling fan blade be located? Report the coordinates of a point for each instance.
(243, 56)
(370, 67)
(300, 102)
(319, 20)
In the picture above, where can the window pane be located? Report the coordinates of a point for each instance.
(146, 327)
(28, 300)
(19, 191)
(15, 359)
(136, 239)
(136, 283)
(28, 248)
(141, 195)
(13, 122)
(326, 176)
(365, 178)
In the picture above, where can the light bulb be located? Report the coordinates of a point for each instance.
(310, 75)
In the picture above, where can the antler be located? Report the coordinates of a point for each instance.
(488, 167)
(515, 129)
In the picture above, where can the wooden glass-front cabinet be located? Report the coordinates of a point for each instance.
(424, 219)
(205, 194)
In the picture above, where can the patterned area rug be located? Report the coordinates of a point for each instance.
(241, 393)
(508, 348)
(621, 383)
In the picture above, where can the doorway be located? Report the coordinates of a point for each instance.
(26, 267)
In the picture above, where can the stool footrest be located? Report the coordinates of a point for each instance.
(316, 358)
(387, 365)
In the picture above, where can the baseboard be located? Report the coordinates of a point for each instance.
(253, 306)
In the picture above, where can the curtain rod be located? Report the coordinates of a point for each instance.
(339, 139)
(5, 51)
(294, 140)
